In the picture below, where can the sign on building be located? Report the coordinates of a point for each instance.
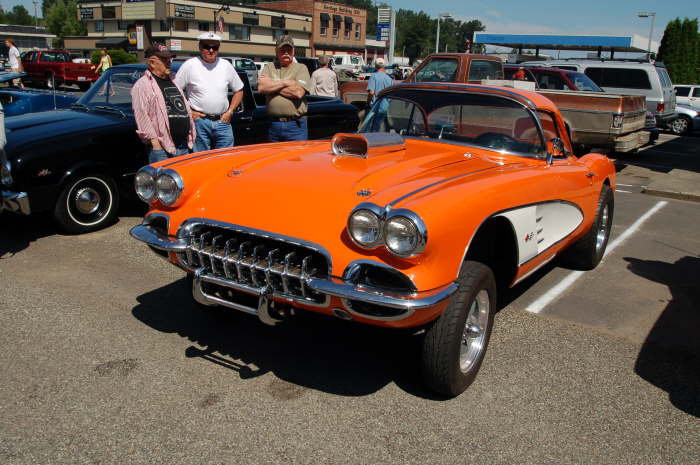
(86, 13)
(182, 11)
(175, 44)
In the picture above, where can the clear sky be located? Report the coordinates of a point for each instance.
(611, 17)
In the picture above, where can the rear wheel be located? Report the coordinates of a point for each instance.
(681, 125)
(87, 203)
(455, 345)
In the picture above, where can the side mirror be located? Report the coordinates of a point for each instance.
(558, 146)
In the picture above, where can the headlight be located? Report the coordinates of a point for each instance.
(169, 185)
(5, 173)
(145, 184)
(364, 226)
(405, 234)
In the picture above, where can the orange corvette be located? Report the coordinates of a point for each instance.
(447, 194)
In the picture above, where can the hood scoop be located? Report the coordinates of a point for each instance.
(367, 144)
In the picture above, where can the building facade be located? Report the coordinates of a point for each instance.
(25, 37)
(249, 31)
(337, 28)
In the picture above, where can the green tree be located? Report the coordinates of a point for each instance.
(61, 19)
(20, 16)
(680, 50)
(118, 56)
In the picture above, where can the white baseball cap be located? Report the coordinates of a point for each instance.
(209, 36)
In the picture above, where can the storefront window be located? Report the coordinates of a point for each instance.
(238, 32)
(358, 31)
(251, 19)
(109, 12)
(203, 27)
(99, 26)
(122, 25)
(278, 21)
(180, 25)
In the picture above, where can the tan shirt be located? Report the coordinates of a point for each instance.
(324, 82)
(278, 105)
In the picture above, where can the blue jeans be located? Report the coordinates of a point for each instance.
(160, 154)
(281, 131)
(212, 134)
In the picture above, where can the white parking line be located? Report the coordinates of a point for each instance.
(548, 297)
(620, 190)
(625, 185)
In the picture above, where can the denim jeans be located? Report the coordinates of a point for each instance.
(281, 131)
(160, 154)
(212, 134)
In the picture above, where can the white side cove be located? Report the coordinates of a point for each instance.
(538, 227)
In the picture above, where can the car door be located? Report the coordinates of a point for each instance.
(695, 97)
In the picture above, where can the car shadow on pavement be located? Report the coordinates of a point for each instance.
(670, 355)
(17, 232)
(664, 156)
(310, 351)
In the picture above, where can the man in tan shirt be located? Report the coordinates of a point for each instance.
(285, 85)
(323, 80)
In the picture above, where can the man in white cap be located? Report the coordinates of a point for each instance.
(206, 80)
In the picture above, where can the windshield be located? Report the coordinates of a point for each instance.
(481, 120)
(583, 82)
(113, 89)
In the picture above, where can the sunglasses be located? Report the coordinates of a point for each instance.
(214, 48)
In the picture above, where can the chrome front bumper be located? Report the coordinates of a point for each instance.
(331, 287)
(17, 202)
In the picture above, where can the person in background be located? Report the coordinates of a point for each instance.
(163, 116)
(105, 62)
(206, 80)
(377, 81)
(324, 81)
(519, 75)
(285, 85)
(14, 60)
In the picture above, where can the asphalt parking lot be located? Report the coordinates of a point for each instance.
(106, 359)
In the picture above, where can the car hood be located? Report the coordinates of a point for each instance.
(285, 188)
(32, 128)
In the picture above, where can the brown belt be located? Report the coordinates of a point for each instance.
(286, 119)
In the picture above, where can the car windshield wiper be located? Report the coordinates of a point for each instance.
(77, 105)
(110, 109)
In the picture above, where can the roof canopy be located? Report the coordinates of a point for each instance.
(112, 42)
(633, 43)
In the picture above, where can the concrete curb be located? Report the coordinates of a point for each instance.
(692, 197)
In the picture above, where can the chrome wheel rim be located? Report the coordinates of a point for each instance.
(680, 125)
(602, 230)
(474, 333)
(87, 200)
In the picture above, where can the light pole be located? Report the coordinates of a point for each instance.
(437, 39)
(36, 21)
(652, 15)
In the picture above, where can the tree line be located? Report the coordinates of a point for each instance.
(680, 51)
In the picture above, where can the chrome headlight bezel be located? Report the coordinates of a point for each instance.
(384, 217)
(374, 211)
(419, 232)
(177, 182)
(150, 173)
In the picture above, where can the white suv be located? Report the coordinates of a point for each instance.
(688, 94)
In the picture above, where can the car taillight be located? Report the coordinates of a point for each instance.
(660, 107)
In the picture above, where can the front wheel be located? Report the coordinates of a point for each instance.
(681, 125)
(455, 345)
(87, 203)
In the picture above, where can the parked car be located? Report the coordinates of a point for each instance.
(53, 68)
(350, 63)
(688, 94)
(77, 162)
(247, 65)
(688, 120)
(554, 78)
(650, 80)
(17, 100)
(448, 194)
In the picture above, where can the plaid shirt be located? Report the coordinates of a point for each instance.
(151, 114)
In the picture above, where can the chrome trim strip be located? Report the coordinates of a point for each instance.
(17, 202)
(417, 222)
(532, 271)
(379, 212)
(355, 266)
(375, 143)
(436, 183)
(156, 239)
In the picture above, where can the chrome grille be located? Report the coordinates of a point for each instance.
(255, 263)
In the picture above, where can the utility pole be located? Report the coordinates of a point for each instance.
(36, 20)
(437, 39)
(652, 15)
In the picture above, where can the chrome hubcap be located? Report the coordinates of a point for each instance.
(680, 125)
(87, 200)
(474, 333)
(602, 230)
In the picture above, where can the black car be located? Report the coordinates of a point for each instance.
(77, 162)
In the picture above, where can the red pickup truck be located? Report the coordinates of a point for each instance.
(54, 68)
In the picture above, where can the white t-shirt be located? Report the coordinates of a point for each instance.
(206, 84)
(13, 55)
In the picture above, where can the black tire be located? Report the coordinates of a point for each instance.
(588, 251)
(83, 86)
(681, 125)
(88, 202)
(443, 342)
